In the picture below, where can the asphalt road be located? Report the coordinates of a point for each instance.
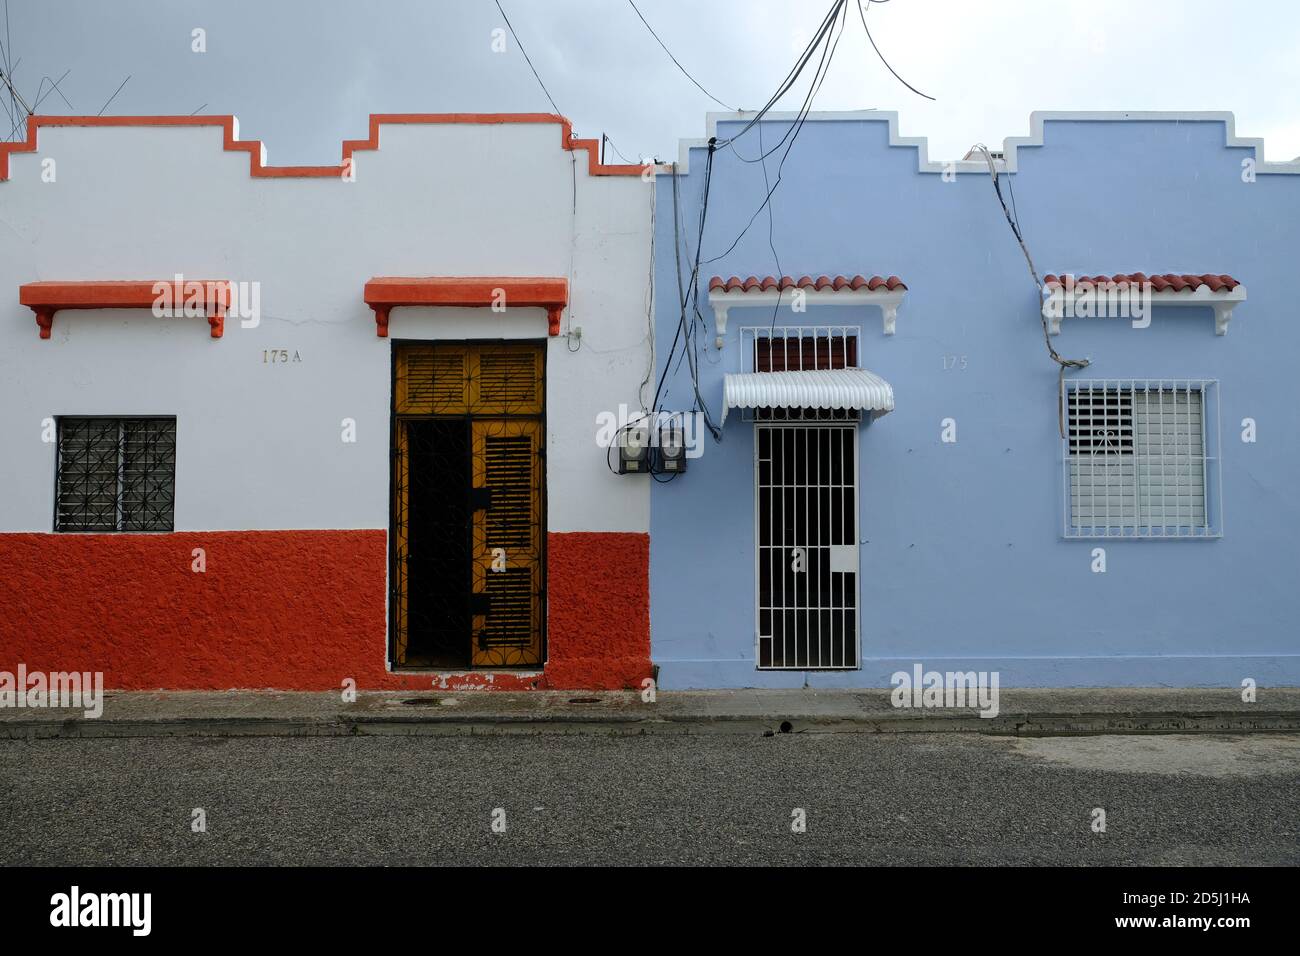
(888, 799)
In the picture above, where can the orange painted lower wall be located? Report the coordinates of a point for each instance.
(292, 610)
(598, 610)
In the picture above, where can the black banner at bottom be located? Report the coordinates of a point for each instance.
(307, 904)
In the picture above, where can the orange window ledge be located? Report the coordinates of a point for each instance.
(384, 293)
(165, 297)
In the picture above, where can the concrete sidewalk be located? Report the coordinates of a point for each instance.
(1022, 712)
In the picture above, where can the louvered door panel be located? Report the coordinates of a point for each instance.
(507, 542)
(433, 380)
(507, 381)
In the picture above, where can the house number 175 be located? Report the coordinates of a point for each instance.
(279, 356)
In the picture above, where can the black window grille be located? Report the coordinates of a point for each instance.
(115, 474)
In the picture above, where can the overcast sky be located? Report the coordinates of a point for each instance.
(302, 76)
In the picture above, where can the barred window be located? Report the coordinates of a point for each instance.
(801, 348)
(115, 474)
(1138, 458)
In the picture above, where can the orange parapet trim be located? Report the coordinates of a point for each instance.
(164, 297)
(384, 293)
(254, 147)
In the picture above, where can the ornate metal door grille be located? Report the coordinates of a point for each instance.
(115, 474)
(468, 542)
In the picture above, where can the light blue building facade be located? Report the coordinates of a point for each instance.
(891, 484)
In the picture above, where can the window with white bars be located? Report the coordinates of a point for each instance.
(1141, 458)
(799, 348)
(115, 474)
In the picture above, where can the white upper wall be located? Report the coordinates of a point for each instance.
(258, 445)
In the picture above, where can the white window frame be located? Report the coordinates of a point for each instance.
(1139, 526)
(751, 335)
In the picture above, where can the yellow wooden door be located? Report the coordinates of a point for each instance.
(498, 379)
(498, 390)
(507, 545)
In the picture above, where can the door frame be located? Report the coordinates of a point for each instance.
(393, 605)
(856, 427)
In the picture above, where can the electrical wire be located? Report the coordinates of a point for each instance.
(863, 13)
(688, 296)
(1014, 223)
(789, 81)
(650, 306)
(54, 88)
(617, 150)
(792, 134)
(826, 38)
(689, 302)
(691, 321)
(114, 96)
(675, 61)
(771, 240)
(527, 58)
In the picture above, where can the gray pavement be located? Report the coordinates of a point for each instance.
(1022, 712)
(653, 799)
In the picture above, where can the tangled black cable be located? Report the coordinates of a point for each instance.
(1062, 363)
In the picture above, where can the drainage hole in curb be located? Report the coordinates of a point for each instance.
(786, 726)
(422, 701)
(584, 700)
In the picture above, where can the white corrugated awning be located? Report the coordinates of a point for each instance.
(824, 388)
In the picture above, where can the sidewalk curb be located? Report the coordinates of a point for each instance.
(1006, 725)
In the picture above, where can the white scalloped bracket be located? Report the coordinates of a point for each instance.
(723, 301)
(1057, 306)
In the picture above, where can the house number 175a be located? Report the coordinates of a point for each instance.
(279, 356)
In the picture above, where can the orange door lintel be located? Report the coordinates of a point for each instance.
(383, 293)
(209, 297)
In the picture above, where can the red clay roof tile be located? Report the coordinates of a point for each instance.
(1163, 282)
(821, 283)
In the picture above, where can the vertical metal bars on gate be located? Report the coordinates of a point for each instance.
(806, 529)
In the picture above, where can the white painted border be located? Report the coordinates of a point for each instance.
(1010, 144)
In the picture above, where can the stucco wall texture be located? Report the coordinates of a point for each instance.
(289, 610)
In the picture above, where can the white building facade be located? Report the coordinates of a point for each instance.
(321, 473)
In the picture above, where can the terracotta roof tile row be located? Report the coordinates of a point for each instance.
(1166, 282)
(822, 283)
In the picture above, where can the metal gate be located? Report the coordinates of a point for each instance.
(468, 585)
(806, 529)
